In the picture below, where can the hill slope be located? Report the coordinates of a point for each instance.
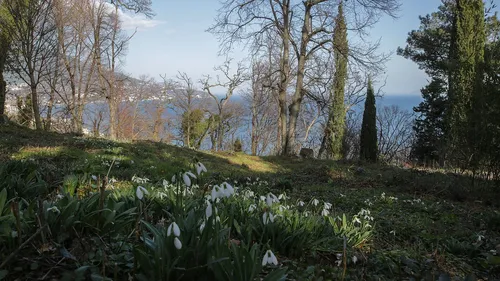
(425, 223)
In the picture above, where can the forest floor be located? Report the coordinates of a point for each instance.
(427, 224)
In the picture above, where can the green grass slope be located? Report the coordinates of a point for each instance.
(426, 223)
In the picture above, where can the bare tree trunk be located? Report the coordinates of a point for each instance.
(298, 95)
(50, 105)
(254, 141)
(3, 90)
(36, 108)
(4, 44)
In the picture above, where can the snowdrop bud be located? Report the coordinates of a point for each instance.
(187, 180)
(269, 201)
(325, 212)
(175, 228)
(94, 177)
(173, 179)
(208, 210)
(354, 259)
(177, 243)
(264, 218)
(328, 206)
(140, 191)
(200, 168)
(262, 198)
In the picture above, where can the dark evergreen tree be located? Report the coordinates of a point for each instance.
(429, 125)
(429, 47)
(334, 131)
(466, 102)
(368, 138)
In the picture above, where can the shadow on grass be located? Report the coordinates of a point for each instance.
(59, 155)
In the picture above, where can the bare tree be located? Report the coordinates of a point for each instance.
(395, 133)
(261, 100)
(304, 28)
(230, 82)
(33, 38)
(74, 33)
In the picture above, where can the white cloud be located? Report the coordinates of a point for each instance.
(139, 22)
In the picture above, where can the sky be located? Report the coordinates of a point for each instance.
(176, 40)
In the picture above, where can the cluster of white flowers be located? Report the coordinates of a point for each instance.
(366, 214)
(414, 201)
(139, 180)
(225, 190)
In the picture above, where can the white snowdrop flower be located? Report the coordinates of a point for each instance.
(202, 226)
(173, 226)
(59, 196)
(54, 209)
(215, 192)
(252, 208)
(480, 237)
(177, 243)
(173, 179)
(13, 234)
(162, 195)
(282, 208)
(327, 206)
(200, 168)
(186, 177)
(282, 196)
(262, 198)
(165, 183)
(325, 212)
(341, 195)
(267, 217)
(208, 210)
(270, 199)
(393, 232)
(228, 190)
(94, 177)
(140, 191)
(315, 202)
(354, 259)
(217, 218)
(356, 220)
(269, 258)
(301, 203)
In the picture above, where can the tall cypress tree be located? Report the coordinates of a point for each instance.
(465, 94)
(334, 131)
(368, 139)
